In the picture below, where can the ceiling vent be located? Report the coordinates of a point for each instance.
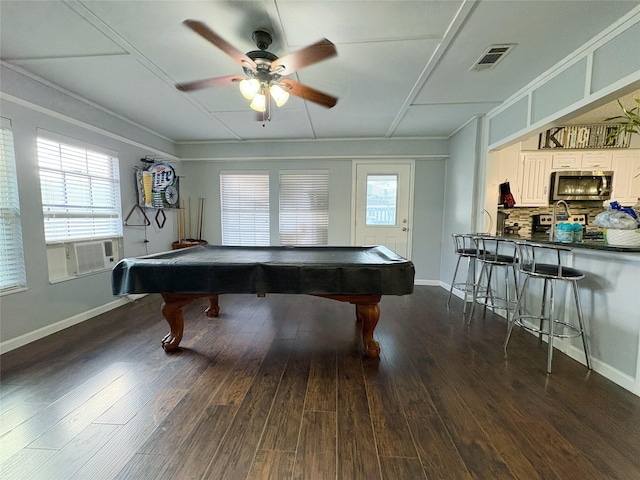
(492, 56)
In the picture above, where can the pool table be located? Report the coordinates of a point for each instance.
(358, 275)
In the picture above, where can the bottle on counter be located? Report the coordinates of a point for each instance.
(564, 232)
(578, 232)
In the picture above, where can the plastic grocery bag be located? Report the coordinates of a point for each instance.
(616, 219)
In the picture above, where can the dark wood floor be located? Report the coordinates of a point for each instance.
(276, 388)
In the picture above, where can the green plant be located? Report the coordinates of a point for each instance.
(630, 119)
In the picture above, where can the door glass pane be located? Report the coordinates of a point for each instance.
(381, 199)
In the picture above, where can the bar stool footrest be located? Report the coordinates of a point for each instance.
(500, 303)
(576, 332)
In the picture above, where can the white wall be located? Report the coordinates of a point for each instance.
(460, 181)
(202, 179)
(44, 308)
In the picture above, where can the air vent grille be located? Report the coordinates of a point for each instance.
(492, 56)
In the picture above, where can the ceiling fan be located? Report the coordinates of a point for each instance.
(263, 71)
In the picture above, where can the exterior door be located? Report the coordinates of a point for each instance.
(383, 205)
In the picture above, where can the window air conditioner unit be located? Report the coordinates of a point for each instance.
(87, 257)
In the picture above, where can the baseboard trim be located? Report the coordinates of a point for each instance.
(428, 283)
(27, 338)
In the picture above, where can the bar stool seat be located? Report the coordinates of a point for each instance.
(546, 323)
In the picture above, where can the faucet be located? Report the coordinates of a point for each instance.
(552, 231)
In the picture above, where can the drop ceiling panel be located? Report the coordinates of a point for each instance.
(159, 34)
(48, 29)
(285, 123)
(360, 22)
(123, 85)
(438, 120)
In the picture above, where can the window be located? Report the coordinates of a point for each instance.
(304, 208)
(381, 199)
(80, 190)
(244, 199)
(12, 272)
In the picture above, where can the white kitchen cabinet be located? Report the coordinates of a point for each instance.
(534, 176)
(566, 161)
(595, 160)
(626, 177)
(509, 167)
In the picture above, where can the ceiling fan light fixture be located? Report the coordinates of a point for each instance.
(279, 95)
(249, 87)
(259, 103)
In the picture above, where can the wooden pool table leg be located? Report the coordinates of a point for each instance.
(369, 314)
(172, 312)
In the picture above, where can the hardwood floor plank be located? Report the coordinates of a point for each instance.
(28, 431)
(389, 421)
(76, 421)
(316, 452)
(562, 457)
(394, 468)
(357, 454)
(114, 456)
(322, 386)
(192, 458)
(481, 457)
(272, 465)
(69, 459)
(19, 413)
(436, 450)
(283, 426)
(143, 467)
(25, 463)
(240, 376)
(235, 455)
(185, 417)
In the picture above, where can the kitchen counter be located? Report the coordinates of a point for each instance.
(589, 244)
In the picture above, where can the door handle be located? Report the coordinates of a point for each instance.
(404, 229)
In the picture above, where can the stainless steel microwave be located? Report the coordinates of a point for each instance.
(580, 185)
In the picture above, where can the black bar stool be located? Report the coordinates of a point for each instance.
(495, 255)
(548, 263)
(465, 246)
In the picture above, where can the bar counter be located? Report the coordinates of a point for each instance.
(590, 244)
(609, 295)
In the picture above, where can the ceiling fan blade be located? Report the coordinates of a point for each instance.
(206, 33)
(307, 56)
(209, 82)
(308, 93)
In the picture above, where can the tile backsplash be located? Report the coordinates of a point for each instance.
(523, 215)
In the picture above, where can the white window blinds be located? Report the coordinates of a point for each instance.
(80, 191)
(12, 271)
(245, 208)
(304, 208)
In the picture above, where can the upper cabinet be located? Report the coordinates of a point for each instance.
(626, 177)
(530, 171)
(597, 160)
(534, 176)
